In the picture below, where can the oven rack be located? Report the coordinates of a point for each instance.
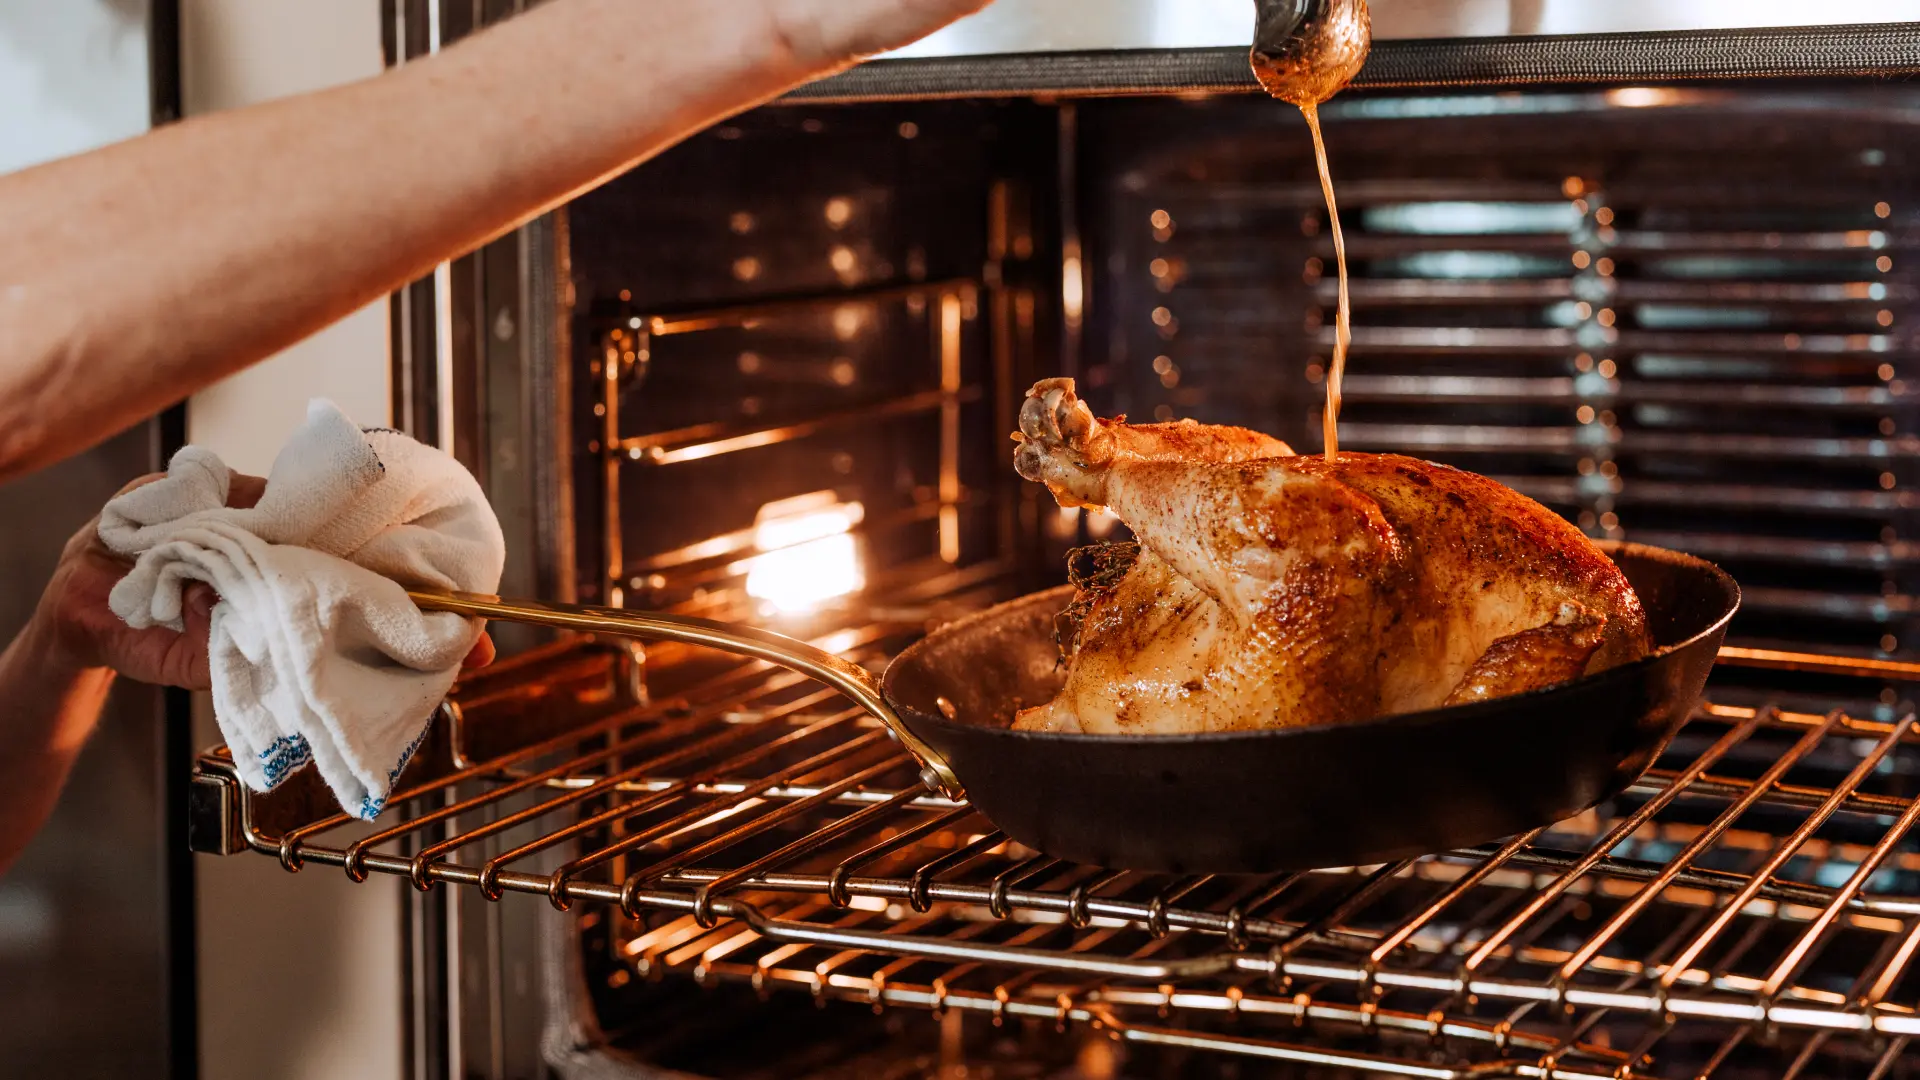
(748, 804)
(1268, 1026)
(732, 952)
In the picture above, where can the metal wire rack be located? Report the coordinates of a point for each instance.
(1757, 893)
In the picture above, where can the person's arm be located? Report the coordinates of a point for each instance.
(136, 274)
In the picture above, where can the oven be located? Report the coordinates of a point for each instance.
(1662, 281)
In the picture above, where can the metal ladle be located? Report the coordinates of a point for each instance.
(1304, 51)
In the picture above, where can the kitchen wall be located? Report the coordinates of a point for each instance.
(238, 52)
(298, 974)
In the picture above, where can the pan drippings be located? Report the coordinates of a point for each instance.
(1304, 51)
(1343, 323)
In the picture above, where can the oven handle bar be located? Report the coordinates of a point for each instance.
(797, 656)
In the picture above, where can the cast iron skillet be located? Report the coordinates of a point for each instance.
(1255, 801)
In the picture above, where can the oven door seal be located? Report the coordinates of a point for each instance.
(1867, 51)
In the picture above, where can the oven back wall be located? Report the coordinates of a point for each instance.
(298, 977)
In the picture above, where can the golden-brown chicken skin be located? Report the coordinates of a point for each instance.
(1274, 590)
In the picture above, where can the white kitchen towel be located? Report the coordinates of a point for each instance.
(316, 652)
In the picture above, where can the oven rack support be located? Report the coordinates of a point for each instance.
(720, 801)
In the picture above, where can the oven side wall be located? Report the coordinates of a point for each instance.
(298, 977)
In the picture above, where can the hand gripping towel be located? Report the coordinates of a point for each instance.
(315, 652)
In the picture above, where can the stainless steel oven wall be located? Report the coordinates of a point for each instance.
(85, 957)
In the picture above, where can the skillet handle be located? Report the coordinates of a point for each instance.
(841, 674)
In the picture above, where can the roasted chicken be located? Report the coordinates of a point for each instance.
(1272, 590)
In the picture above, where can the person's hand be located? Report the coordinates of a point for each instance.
(89, 635)
(826, 32)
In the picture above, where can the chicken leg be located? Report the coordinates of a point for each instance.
(1054, 418)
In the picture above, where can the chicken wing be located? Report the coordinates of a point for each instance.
(1274, 590)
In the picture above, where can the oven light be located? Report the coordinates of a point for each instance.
(1072, 288)
(1642, 97)
(848, 320)
(809, 554)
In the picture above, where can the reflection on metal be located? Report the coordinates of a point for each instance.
(1453, 218)
(712, 440)
(948, 348)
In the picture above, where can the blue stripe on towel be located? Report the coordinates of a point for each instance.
(370, 806)
(282, 756)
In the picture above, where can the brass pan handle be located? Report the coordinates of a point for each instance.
(837, 672)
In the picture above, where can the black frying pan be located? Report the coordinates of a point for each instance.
(1254, 801)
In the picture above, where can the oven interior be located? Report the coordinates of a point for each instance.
(788, 355)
